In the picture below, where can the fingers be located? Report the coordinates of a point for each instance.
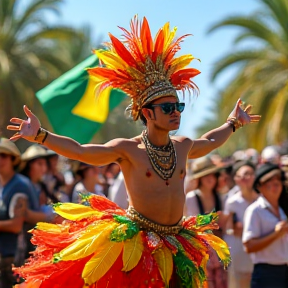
(16, 121)
(248, 108)
(13, 127)
(254, 118)
(16, 136)
(28, 111)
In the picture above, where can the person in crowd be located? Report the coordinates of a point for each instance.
(225, 181)
(87, 182)
(270, 154)
(239, 273)
(253, 156)
(117, 192)
(108, 174)
(34, 167)
(190, 183)
(203, 200)
(53, 178)
(16, 192)
(265, 234)
(283, 200)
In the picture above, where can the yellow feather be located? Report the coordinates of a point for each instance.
(99, 264)
(43, 226)
(219, 246)
(166, 31)
(92, 240)
(170, 38)
(72, 211)
(111, 60)
(163, 257)
(132, 252)
(181, 62)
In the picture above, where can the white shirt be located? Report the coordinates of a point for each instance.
(237, 204)
(80, 188)
(117, 192)
(259, 221)
(191, 205)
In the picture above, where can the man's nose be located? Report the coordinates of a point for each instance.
(174, 110)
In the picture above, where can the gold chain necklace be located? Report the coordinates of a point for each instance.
(163, 159)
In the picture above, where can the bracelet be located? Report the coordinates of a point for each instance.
(234, 122)
(41, 135)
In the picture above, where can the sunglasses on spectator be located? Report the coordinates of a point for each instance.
(169, 108)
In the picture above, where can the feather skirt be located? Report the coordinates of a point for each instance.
(98, 246)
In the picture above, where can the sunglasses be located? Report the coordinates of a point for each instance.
(169, 108)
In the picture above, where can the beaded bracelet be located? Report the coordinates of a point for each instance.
(234, 122)
(41, 135)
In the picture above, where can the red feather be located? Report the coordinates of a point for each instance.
(146, 38)
(122, 51)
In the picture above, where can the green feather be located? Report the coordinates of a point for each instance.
(125, 231)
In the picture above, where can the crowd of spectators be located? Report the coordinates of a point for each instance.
(248, 190)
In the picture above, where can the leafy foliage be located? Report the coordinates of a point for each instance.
(32, 54)
(262, 75)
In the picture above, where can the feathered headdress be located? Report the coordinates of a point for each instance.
(144, 69)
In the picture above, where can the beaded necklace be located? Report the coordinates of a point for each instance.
(163, 159)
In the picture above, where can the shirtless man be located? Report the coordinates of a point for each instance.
(132, 157)
(153, 163)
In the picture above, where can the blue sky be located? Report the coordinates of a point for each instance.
(190, 16)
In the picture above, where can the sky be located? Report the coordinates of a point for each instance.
(190, 17)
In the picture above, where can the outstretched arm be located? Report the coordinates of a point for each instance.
(88, 153)
(216, 137)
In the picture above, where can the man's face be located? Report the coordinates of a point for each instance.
(6, 163)
(165, 113)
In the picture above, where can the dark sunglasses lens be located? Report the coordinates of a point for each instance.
(167, 108)
(180, 107)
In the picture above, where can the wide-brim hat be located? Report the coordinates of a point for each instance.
(203, 166)
(51, 153)
(34, 152)
(77, 166)
(9, 148)
(266, 172)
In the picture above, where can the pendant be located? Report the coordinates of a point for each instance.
(167, 182)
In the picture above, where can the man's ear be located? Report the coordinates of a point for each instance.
(147, 113)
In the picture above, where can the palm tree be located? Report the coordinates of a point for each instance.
(32, 54)
(262, 75)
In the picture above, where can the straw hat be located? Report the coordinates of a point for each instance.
(203, 166)
(33, 152)
(8, 147)
(51, 153)
(77, 167)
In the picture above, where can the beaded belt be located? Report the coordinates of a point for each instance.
(148, 225)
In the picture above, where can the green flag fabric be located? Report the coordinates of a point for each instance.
(71, 105)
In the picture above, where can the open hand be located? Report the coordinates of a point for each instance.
(26, 129)
(243, 114)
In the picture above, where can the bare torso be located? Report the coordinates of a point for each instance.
(148, 193)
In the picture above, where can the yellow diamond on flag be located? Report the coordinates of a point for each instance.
(92, 108)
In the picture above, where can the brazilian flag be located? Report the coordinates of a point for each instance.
(71, 105)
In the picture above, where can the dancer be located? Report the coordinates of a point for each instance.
(149, 244)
